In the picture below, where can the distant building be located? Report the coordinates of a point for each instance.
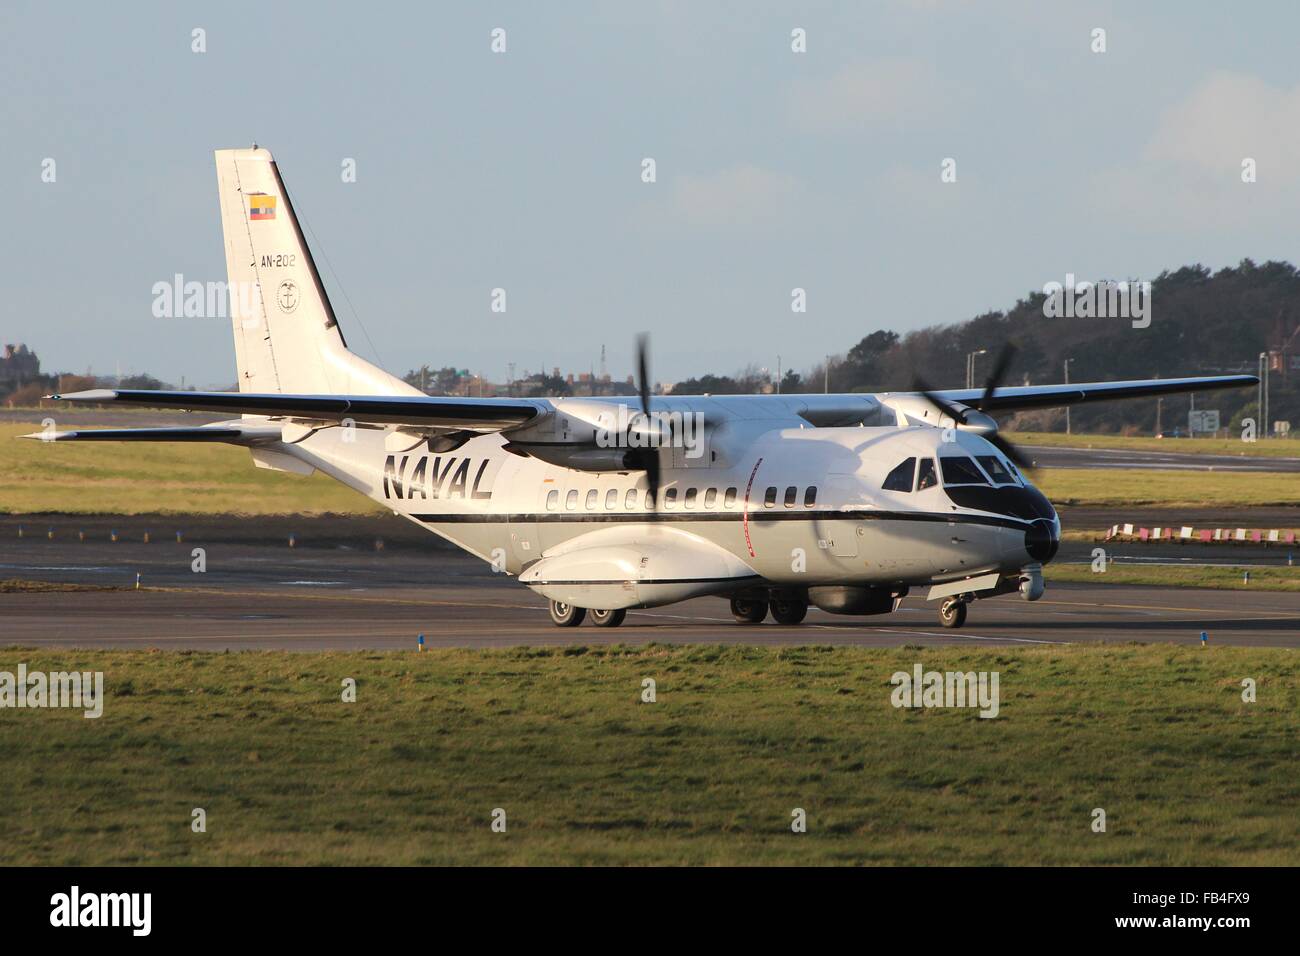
(19, 366)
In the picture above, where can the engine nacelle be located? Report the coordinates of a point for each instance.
(852, 600)
(578, 457)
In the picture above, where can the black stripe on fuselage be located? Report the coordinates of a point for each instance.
(757, 517)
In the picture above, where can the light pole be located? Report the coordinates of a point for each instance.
(1262, 429)
(1067, 407)
(970, 366)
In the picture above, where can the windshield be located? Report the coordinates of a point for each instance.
(996, 470)
(961, 471)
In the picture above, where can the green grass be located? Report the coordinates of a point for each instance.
(1261, 578)
(1166, 489)
(149, 477)
(1263, 447)
(1156, 735)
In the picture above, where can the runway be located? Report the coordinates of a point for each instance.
(1056, 457)
(336, 589)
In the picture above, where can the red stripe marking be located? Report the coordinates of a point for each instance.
(744, 517)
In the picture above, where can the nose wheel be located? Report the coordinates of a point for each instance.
(952, 612)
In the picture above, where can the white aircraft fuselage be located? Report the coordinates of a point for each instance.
(843, 501)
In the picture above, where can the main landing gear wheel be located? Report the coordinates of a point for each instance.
(748, 610)
(608, 618)
(952, 613)
(789, 612)
(566, 615)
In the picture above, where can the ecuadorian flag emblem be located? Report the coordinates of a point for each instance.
(261, 206)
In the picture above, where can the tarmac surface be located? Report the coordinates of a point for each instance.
(377, 582)
(1052, 457)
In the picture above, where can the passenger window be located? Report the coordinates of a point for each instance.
(571, 499)
(670, 497)
(810, 496)
(630, 501)
(552, 500)
(690, 497)
(769, 499)
(900, 479)
(791, 496)
(711, 497)
(649, 501)
(926, 477)
(611, 499)
(995, 469)
(592, 495)
(729, 499)
(961, 471)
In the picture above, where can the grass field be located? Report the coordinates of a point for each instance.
(114, 478)
(1157, 736)
(1263, 447)
(1146, 575)
(1166, 489)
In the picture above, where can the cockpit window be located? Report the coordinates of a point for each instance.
(961, 471)
(900, 479)
(926, 477)
(996, 470)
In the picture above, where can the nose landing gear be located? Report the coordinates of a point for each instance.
(952, 613)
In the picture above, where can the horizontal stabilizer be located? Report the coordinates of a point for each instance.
(481, 414)
(238, 435)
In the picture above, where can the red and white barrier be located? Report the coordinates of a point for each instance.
(1264, 536)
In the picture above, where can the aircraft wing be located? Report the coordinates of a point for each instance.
(436, 412)
(1016, 397)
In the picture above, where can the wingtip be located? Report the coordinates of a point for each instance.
(89, 395)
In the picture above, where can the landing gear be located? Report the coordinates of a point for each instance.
(567, 615)
(789, 612)
(952, 613)
(608, 618)
(749, 610)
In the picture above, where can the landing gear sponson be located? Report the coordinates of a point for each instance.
(790, 607)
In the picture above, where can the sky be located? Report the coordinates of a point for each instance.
(522, 170)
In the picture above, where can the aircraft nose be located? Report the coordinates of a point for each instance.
(1042, 541)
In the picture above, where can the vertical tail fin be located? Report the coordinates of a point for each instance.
(287, 338)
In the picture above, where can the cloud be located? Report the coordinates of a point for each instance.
(744, 197)
(1228, 117)
(862, 94)
(1188, 173)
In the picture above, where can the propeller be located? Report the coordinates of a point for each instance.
(960, 412)
(648, 458)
